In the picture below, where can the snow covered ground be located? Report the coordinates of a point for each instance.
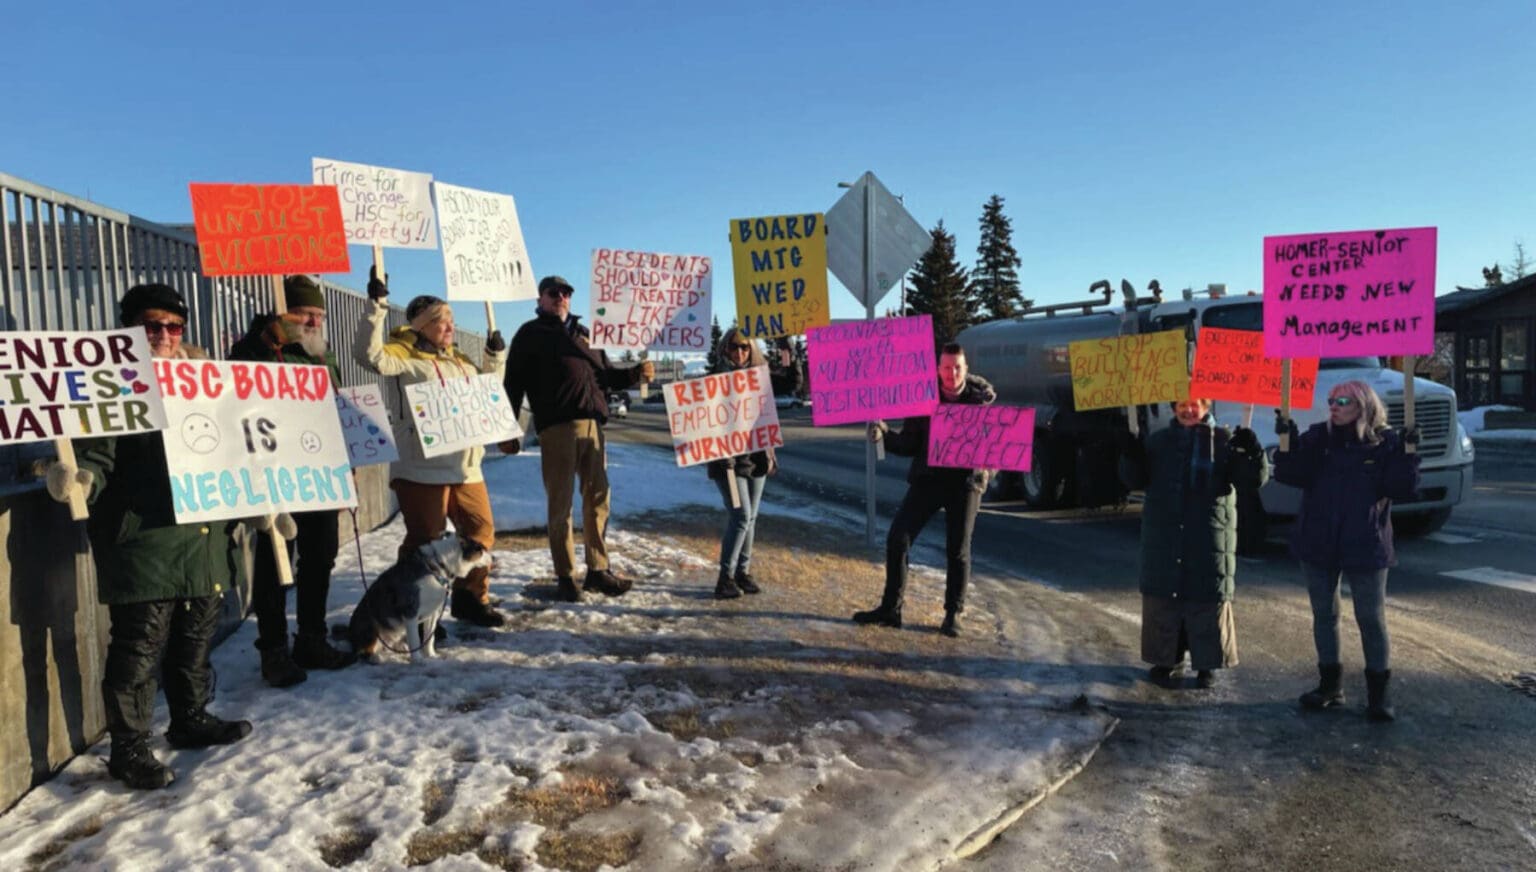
(1473, 421)
(660, 731)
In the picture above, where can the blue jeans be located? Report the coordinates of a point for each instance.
(740, 522)
(1368, 587)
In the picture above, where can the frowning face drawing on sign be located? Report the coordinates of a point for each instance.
(199, 433)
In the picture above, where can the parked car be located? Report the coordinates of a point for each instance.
(618, 404)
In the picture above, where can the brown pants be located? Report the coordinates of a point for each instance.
(427, 508)
(576, 449)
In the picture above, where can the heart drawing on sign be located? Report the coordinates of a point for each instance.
(128, 374)
(373, 430)
(495, 398)
(692, 317)
(603, 311)
(455, 410)
(428, 440)
(125, 390)
(421, 413)
(140, 387)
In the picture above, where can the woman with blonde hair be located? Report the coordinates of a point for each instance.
(1349, 469)
(734, 352)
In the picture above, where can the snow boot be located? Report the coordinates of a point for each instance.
(725, 587)
(1329, 692)
(880, 615)
(200, 729)
(605, 582)
(1166, 676)
(471, 609)
(313, 652)
(1205, 679)
(745, 582)
(951, 625)
(135, 765)
(278, 668)
(1378, 707)
(567, 589)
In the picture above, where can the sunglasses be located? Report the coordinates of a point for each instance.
(739, 347)
(169, 328)
(1341, 401)
(560, 291)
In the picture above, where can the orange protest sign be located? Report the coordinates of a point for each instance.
(245, 230)
(1230, 365)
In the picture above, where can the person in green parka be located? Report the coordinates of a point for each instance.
(162, 582)
(1191, 471)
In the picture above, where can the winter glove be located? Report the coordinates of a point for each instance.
(511, 446)
(1245, 440)
(647, 371)
(496, 344)
(1411, 436)
(877, 430)
(377, 290)
(63, 478)
(1287, 426)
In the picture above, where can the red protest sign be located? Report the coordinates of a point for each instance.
(1230, 365)
(245, 230)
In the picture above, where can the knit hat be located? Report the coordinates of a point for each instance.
(301, 290)
(151, 296)
(554, 282)
(424, 310)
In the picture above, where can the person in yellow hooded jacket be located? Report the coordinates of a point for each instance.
(433, 490)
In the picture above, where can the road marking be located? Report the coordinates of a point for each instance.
(1496, 577)
(1451, 539)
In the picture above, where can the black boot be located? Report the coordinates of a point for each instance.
(951, 625)
(277, 668)
(471, 609)
(745, 582)
(1378, 707)
(200, 729)
(135, 765)
(881, 615)
(568, 590)
(1329, 691)
(313, 652)
(1167, 676)
(725, 588)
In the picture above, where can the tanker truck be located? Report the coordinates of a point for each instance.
(1076, 453)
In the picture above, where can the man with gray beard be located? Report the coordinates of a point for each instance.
(296, 337)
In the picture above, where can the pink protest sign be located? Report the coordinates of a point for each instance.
(1343, 294)
(866, 370)
(981, 437)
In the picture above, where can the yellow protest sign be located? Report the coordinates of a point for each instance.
(1129, 370)
(780, 265)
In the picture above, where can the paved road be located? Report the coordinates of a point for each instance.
(1237, 777)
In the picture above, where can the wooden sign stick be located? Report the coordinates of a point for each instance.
(1408, 417)
(378, 261)
(730, 485)
(279, 545)
(490, 319)
(77, 508)
(1248, 417)
(1285, 400)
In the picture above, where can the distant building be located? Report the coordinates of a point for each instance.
(1494, 328)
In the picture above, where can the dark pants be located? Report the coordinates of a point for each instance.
(923, 500)
(180, 630)
(1368, 588)
(316, 545)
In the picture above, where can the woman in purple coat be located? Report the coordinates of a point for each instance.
(1350, 469)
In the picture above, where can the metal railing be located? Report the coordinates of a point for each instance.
(65, 264)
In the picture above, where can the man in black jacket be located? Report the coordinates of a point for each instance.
(566, 382)
(929, 489)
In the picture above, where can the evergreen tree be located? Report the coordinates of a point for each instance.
(1493, 276)
(995, 281)
(712, 361)
(940, 288)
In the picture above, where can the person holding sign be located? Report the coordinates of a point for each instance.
(566, 382)
(1349, 469)
(929, 489)
(433, 490)
(1192, 471)
(162, 582)
(748, 473)
(295, 337)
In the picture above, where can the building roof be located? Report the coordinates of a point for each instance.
(1463, 299)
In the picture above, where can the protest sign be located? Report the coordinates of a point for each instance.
(981, 437)
(647, 301)
(483, 252)
(379, 205)
(867, 370)
(722, 415)
(780, 267)
(247, 230)
(1230, 365)
(365, 426)
(459, 413)
(1369, 292)
(72, 385)
(1129, 370)
(248, 439)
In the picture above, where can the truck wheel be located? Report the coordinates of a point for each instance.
(1421, 523)
(1044, 485)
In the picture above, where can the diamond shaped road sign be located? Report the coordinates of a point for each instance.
(898, 239)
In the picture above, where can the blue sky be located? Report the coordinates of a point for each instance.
(1129, 139)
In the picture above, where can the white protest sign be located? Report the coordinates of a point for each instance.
(459, 413)
(483, 253)
(379, 205)
(642, 300)
(722, 415)
(365, 425)
(248, 439)
(68, 385)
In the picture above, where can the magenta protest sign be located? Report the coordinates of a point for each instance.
(981, 437)
(866, 370)
(1343, 294)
